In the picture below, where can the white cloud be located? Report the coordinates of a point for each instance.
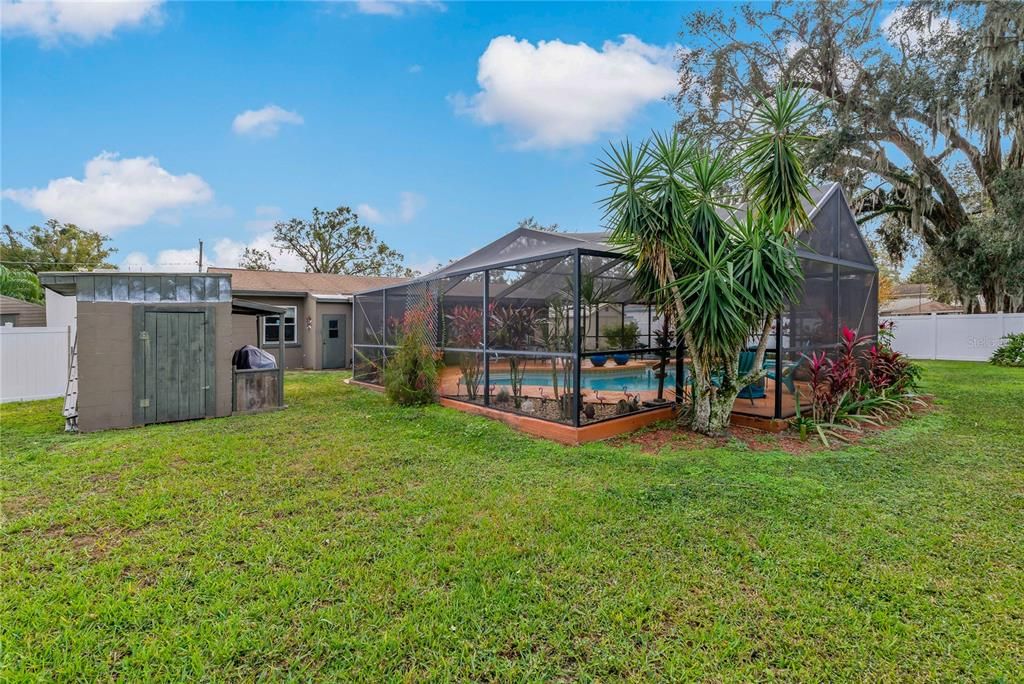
(267, 218)
(266, 122)
(415, 69)
(370, 213)
(554, 94)
(224, 252)
(52, 20)
(167, 261)
(114, 194)
(423, 265)
(227, 252)
(409, 205)
(396, 8)
(899, 30)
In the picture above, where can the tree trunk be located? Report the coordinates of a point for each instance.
(988, 295)
(712, 406)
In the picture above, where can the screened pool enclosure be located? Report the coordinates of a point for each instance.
(547, 325)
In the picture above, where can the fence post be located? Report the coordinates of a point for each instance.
(935, 336)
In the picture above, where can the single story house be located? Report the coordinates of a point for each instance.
(21, 314)
(915, 298)
(317, 325)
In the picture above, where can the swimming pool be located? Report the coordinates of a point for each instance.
(632, 379)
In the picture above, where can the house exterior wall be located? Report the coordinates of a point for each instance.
(316, 340)
(244, 330)
(105, 361)
(24, 314)
(307, 353)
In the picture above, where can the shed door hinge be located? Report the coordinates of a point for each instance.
(144, 403)
(144, 335)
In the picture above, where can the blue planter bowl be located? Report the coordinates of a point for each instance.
(599, 360)
(620, 359)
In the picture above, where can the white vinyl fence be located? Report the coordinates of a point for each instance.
(33, 362)
(954, 337)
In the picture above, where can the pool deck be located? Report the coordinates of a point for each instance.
(451, 386)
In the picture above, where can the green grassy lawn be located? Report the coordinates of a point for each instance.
(345, 538)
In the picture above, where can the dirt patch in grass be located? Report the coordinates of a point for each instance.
(680, 439)
(19, 506)
(95, 543)
(666, 435)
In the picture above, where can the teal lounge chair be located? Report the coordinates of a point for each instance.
(788, 371)
(751, 392)
(756, 390)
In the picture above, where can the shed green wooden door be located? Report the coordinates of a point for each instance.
(176, 368)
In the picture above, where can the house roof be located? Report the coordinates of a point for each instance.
(915, 298)
(301, 283)
(15, 305)
(915, 305)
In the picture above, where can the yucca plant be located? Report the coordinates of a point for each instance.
(724, 278)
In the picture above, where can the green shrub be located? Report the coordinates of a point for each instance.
(1010, 352)
(622, 336)
(410, 376)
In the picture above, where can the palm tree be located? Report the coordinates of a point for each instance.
(20, 285)
(724, 277)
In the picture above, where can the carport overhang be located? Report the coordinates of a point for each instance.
(246, 307)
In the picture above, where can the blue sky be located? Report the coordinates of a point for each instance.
(378, 107)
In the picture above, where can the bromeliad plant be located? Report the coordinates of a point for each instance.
(724, 277)
(857, 387)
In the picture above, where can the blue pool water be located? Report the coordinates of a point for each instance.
(632, 379)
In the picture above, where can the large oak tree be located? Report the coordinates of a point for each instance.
(910, 93)
(336, 242)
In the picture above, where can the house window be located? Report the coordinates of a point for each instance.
(272, 327)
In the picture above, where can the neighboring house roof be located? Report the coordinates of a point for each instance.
(28, 314)
(914, 298)
(913, 305)
(320, 285)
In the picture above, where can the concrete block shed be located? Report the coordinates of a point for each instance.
(157, 347)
